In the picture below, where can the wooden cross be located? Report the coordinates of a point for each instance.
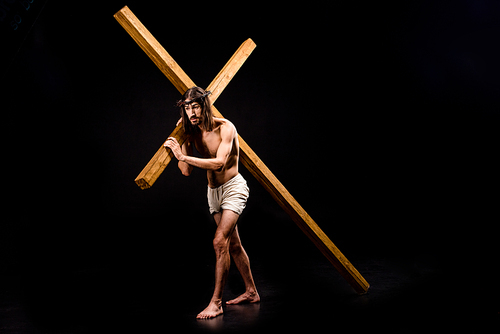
(247, 156)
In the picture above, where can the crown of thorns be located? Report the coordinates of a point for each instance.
(181, 103)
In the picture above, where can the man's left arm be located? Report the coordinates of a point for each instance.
(217, 163)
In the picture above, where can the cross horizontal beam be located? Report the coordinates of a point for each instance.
(247, 156)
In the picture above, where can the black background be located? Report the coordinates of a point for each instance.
(382, 121)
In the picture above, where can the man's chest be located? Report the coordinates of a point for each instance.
(208, 144)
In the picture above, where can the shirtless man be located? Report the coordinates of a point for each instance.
(217, 141)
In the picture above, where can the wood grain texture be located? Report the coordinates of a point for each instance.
(229, 70)
(152, 171)
(153, 49)
(247, 156)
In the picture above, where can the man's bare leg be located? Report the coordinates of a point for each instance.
(242, 262)
(225, 227)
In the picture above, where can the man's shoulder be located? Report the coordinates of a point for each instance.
(226, 125)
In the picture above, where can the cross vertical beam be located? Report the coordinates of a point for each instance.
(247, 156)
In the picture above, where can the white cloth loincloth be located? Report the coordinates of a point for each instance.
(232, 195)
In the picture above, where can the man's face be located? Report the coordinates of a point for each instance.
(193, 111)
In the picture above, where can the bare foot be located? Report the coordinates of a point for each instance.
(213, 309)
(246, 298)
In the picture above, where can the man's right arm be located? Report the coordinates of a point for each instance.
(186, 168)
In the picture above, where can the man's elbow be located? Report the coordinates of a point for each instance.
(185, 168)
(218, 165)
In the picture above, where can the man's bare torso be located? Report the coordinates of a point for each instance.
(207, 143)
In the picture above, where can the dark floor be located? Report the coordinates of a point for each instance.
(299, 290)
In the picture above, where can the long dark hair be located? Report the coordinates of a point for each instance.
(197, 94)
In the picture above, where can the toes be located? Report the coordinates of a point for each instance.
(203, 316)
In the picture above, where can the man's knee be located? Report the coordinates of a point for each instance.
(220, 244)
